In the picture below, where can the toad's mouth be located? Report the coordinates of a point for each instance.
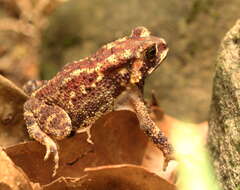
(162, 57)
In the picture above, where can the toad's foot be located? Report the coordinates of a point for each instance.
(51, 147)
(88, 131)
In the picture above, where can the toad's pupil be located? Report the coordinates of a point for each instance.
(150, 54)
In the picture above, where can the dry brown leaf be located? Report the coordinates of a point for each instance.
(118, 177)
(12, 177)
(117, 140)
(12, 98)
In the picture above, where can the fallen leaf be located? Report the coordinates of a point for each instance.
(117, 177)
(153, 159)
(12, 177)
(117, 140)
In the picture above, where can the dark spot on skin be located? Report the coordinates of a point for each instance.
(78, 119)
(56, 122)
(148, 132)
(236, 40)
(162, 140)
(225, 177)
(74, 100)
(155, 140)
(41, 122)
(88, 88)
(29, 121)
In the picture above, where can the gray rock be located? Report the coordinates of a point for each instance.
(224, 124)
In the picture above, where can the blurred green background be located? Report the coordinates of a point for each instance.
(193, 30)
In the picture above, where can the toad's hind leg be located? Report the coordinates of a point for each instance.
(45, 123)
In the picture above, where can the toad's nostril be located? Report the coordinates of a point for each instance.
(162, 46)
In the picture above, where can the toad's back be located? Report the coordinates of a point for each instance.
(86, 89)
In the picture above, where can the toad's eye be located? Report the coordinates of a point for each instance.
(151, 53)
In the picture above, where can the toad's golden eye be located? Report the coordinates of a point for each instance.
(151, 53)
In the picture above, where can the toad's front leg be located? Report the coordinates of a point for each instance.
(149, 127)
(133, 100)
(45, 123)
